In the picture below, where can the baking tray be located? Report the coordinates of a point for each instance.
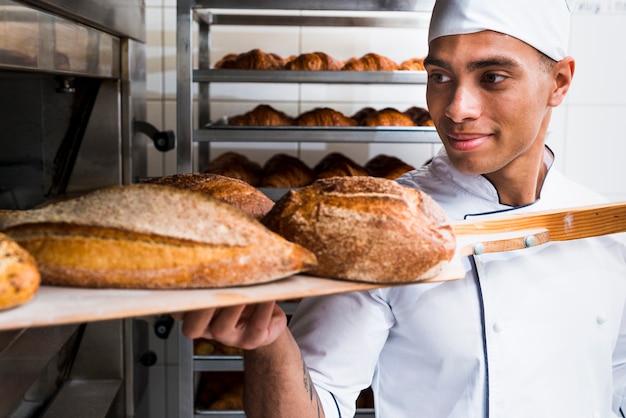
(56, 305)
(388, 134)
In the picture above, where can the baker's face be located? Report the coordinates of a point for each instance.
(489, 96)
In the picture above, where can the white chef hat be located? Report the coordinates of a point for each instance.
(543, 24)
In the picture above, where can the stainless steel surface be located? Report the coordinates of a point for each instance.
(133, 108)
(395, 135)
(407, 20)
(38, 41)
(326, 77)
(89, 399)
(31, 361)
(125, 18)
(184, 96)
(186, 389)
(361, 5)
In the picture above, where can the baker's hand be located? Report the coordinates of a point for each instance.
(244, 326)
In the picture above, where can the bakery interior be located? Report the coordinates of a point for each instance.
(125, 93)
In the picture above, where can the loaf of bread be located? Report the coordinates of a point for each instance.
(388, 117)
(324, 116)
(387, 166)
(235, 192)
(262, 115)
(371, 62)
(337, 164)
(254, 59)
(314, 61)
(366, 229)
(419, 116)
(286, 171)
(237, 166)
(152, 236)
(19, 275)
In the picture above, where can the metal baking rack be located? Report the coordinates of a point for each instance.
(207, 13)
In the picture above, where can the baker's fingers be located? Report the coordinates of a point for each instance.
(264, 325)
(196, 323)
(248, 327)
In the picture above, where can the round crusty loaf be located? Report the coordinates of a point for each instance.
(366, 229)
(152, 236)
(233, 191)
(19, 275)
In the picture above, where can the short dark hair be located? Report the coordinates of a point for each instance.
(546, 62)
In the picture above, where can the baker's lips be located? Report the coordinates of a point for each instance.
(466, 141)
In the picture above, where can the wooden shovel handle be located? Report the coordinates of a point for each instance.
(567, 224)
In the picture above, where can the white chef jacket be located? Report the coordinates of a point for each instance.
(534, 333)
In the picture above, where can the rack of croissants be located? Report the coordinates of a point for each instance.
(257, 59)
(265, 115)
(288, 171)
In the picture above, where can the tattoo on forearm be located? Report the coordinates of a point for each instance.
(308, 386)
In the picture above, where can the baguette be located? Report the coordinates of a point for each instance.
(152, 236)
(366, 229)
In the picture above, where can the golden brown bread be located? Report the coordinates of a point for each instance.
(419, 115)
(283, 170)
(337, 164)
(371, 62)
(235, 192)
(412, 64)
(19, 275)
(262, 115)
(363, 114)
(151, 236)
(324, 116)
(387, 166)
(366, 229)
(254, 59)
(388, 117)
(237, 166)
(314, 61)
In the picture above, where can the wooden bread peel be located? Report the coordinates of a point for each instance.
(63, 305)
(523, 231)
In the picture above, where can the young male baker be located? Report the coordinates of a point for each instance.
(533, 333)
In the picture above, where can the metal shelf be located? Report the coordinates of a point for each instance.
(359, 134)
(349, 5)
(325, 77)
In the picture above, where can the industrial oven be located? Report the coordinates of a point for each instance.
(72, 112)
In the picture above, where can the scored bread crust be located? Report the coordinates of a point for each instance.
(19, 275)
(233, 191)
(366, 229)
(152, 236)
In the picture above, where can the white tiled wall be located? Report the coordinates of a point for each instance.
(587, 132)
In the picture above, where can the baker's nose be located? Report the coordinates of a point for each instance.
(465, 104)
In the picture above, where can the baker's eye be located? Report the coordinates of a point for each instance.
(439, 78)
(493, 78)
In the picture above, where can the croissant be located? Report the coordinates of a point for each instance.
(336, 164)
(324, 117)
(413, 64)
(262, 115)
(237, 166)
(387, 166)
(314, 61)
(388, 117)
(420, 116)
(371, 62)
(252, 60)
(283, 170)
(363, 114)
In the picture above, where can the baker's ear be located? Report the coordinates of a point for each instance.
(562, 73)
